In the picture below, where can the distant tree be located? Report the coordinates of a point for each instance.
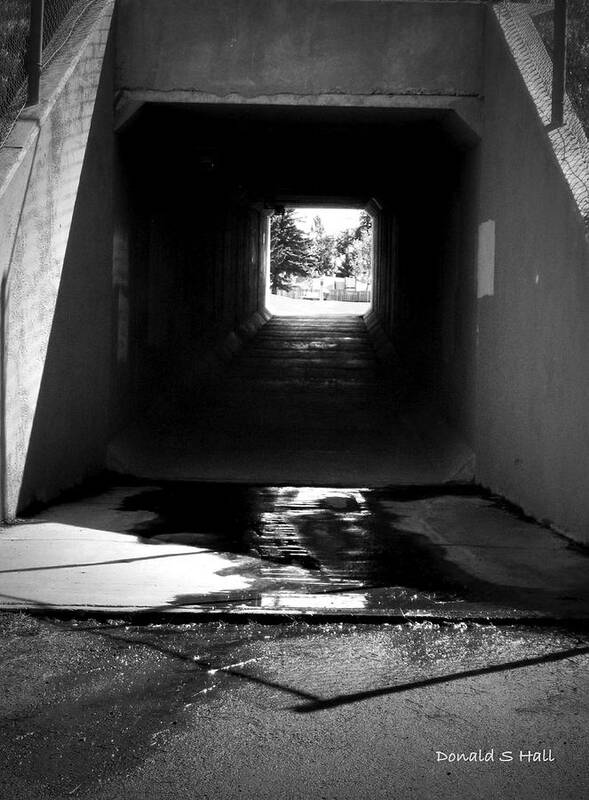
(290, 256)
(322, 249)
(354, 249)
(294, 255)
(363, 244)
(346, 253)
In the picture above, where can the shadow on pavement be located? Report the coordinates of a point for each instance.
(355, 697)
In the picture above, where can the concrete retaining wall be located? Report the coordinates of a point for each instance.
(55, 206)
(533, 310)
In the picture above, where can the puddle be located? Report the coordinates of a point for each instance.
(300, 547)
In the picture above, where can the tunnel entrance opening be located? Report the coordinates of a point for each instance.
(320, 261)
(213, 387)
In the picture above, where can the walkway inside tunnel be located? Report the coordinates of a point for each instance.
(307, 402)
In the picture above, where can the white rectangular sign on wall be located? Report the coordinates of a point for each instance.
(486, 259)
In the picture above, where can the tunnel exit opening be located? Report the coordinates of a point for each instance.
(320, 261)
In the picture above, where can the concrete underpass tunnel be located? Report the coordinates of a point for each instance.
(199, 396)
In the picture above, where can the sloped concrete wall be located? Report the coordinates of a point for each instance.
(533, 309)
(56, 268)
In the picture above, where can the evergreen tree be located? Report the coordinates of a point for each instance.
(323, 251)
(290, 256)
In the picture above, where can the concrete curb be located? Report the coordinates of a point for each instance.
(273, 617)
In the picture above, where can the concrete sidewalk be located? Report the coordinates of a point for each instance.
(215, 549)
(288, 306)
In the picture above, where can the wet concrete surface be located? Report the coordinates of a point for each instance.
(109, 711)
(380, 541)
(438, 551)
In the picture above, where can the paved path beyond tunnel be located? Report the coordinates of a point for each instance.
(306, 402)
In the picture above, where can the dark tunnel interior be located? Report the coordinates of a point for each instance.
(192, 232)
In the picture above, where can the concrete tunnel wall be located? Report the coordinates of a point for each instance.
(189, 273)
(269, 48)
(425, 246)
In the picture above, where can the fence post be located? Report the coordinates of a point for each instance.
(35, 52)
(559, 63)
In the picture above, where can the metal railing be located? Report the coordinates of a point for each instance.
(30, 31)
(348, 295)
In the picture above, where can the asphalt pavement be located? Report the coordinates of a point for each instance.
(101, 710)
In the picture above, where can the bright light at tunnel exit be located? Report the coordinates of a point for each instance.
(334, 220)
(333, 284)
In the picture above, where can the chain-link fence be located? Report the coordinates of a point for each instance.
(14, 35)
(569, 140)
(55, 13)
(59, 20)
(577, 72)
